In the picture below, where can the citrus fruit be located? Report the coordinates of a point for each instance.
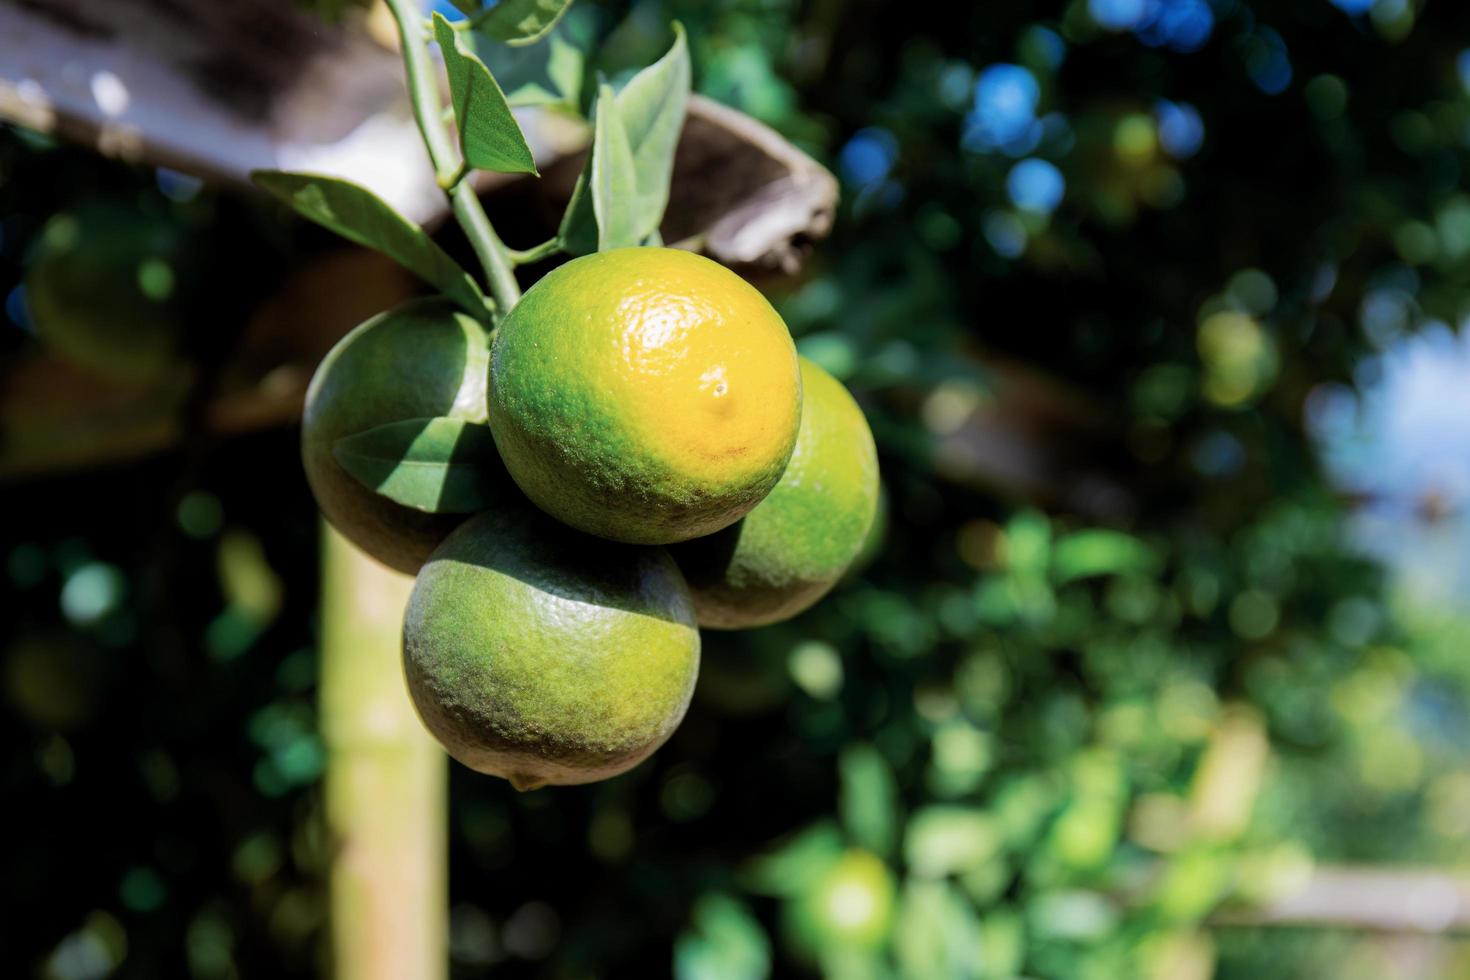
(875, 539)
(421, 360)
(539, 654)
(103, 289)
(794, 546)
(646, 395)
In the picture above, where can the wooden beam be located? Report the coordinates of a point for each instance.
(1409, 900)
(231, 87)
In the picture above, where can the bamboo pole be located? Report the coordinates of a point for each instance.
(386, 782)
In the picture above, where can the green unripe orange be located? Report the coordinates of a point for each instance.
(422, 360)
(796, 544)
(875, 539)
(537, 653)
(104, 289)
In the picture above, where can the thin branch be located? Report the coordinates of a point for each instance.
(493, 254)
(423, 87)
(459, 174)
(449, 165)
(536, 252)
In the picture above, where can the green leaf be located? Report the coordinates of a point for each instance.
(651, 109)
(868, 803)
(360, 216)
(614, 184)
(548, 75)
(436, 465)
(578, 230)
(521, 22)
(488, 134)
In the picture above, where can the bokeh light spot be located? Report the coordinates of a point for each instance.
(1252, 291)
(1135, 138)
(956, 83)
(1253, 615)
(1117, 15)
(686, 795)
(1218, 454)
(17, 310)
(1327, 96)
(531, 931)
(91, 952)
(833, 352)
(610, 834)
(110, 94)
(200, 514)
(156, 279)
(950, 405)
(816, 668)
(868, 156)
(1239, 357)
(1003, 115)
(142, 890)
(1267, 62)
(1045, 46)
(1036, 185)
(1181, 130)
(1005, 234)
(91, 592)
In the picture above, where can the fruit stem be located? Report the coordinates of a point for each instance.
(449, 167)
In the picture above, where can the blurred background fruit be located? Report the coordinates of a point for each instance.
(108, 288)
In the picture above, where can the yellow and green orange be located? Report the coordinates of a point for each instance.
(799, 541)
(645, 395)
(542, 655)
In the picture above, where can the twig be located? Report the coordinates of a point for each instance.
(449, 166)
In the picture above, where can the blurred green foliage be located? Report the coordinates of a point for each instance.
(1060, 721)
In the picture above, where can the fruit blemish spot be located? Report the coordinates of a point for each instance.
(714, 381)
